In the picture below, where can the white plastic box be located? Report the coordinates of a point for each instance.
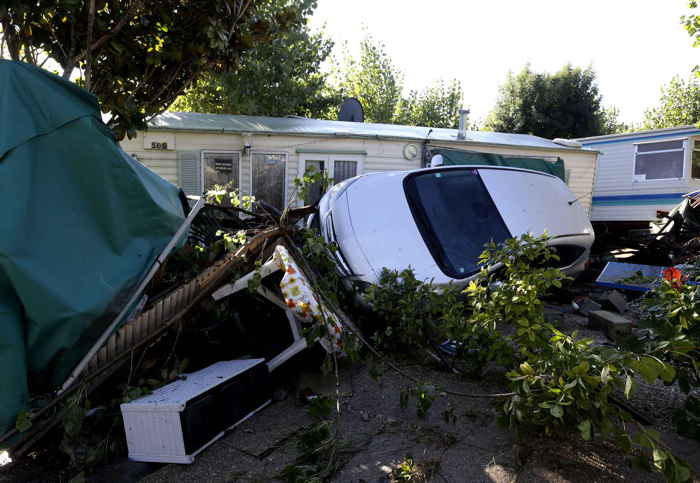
(176, 422)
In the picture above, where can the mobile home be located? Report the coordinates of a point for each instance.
(641, 173)
(262, 155)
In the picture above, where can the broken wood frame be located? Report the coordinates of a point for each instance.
(299, 342)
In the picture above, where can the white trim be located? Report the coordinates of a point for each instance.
(683, 149)
(201, 167)
(329, 159)
(691, 143)
(655, 141)
(286, 164)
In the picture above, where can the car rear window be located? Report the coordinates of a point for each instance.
(456, 217)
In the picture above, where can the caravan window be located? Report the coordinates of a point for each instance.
(695, 160)
(221, 169)
(662, 160)
(337, 167)
(268, 178)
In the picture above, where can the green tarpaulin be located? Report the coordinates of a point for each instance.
(80, 223)
(456, 157)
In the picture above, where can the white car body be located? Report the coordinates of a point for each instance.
(370, 218)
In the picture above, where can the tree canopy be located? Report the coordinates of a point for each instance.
(566, 104)
(287, 76)
(679, 105)
(278, 78)
(437, 105)
(137, 56)
(377, 83)
(373, 80)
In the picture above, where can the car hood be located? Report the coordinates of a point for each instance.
(534, 203)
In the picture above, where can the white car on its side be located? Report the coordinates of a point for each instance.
(437, 220)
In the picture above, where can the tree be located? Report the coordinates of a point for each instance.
(435, 106)
(278, 78)
(137, 56)
(374, 80)
(566, 104)
(378, 84)
(679, 105)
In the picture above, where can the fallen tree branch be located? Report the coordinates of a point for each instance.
(347, 322)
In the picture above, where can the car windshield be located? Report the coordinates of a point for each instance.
(456, 217)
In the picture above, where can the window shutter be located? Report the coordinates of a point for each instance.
(189, 173)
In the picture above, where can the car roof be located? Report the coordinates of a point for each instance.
(458, 167)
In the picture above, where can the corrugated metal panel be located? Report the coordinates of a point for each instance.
(192, 121)
(638, 136)
(189, 174)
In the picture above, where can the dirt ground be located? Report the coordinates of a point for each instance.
(378, 434)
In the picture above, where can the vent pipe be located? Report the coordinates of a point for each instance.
(463, 114)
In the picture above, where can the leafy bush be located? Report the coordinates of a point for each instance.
(671, 316)
(413, 312)
(560, 383)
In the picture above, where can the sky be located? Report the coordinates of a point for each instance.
(635, 46)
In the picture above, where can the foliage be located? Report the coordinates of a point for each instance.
(318, 446)
(671, 317)
(411, 470)
(691, 23)
(223, 195)
(687, 418)
(377, 83)
(24, 421)
(412, 310)
(278, 78)
(679, 105)
(220, 195)
(566, 104)
(437, 105)
(373, 80)
(138, 56)
(93, 435)
(559, 383)
(310, 182)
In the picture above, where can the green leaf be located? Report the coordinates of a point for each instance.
(628, 386)
(648, 368)
(24, 421)
(557, 411)
(585, 428)
(525, 368)
(581, 369)
(668, 373)
(681, 473)
(659, 457)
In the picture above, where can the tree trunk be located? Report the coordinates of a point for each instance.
(88, 54)
(68, 68)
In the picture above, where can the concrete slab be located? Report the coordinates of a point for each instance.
(614, 325)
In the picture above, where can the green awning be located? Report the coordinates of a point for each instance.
(457, 157)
